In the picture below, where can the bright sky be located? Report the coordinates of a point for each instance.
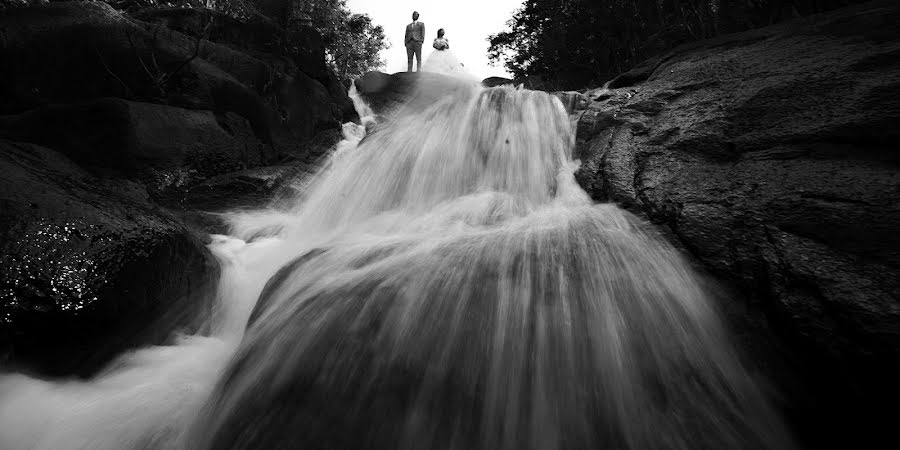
(466, 22)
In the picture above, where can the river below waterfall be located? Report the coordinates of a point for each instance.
(442, 283)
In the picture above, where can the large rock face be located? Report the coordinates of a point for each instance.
(75, 52)
(772, 156)
(105, 116)
(89, 266)
(161, 145)
(287, 70)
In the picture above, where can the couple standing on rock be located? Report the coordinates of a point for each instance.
(441, 60)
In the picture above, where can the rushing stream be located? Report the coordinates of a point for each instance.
(442, 283)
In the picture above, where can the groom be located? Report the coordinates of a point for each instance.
(415, 35)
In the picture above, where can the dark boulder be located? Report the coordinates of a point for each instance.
(496, 81)
(573, 101)
(169, 110)
(162, 145)
(306, 101)
(89, 267)
(373, 85)
(259, 53)
(257, 34)
(73, 51)
(385, 93)
(202, 205)
(295, 95)
(535, 83)
(771, 155)
(78, 51)
(247, 189)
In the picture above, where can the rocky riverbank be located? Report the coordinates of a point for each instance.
(116, 132)
(771, 156)
(768, 156)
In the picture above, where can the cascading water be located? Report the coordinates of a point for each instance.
(442, 283)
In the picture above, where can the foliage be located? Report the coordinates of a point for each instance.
(239, 9)
(352, 42)
(235, 8)
(577, 42)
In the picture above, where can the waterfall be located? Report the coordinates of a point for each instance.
(441, 283)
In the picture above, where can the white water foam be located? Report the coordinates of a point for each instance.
(441, 283)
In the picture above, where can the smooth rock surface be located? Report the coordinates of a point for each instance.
(72, 52)
(286, 68)
(246, 189)
(772, 156)
(385, 93)
(89, 267)
(162, 145)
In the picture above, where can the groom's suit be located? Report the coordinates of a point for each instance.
(415, 36)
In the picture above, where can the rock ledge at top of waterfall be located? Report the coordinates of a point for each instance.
(382, 91)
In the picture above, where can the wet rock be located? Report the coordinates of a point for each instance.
(71, 52)
(138, 113)
(248, 188)
(304, 96)
(535, 83)
(89, 267)
(202, 205)
(496, 81)
(63, 52)
(296, 95)
(374, 83)
(416, 341)
(287, 68)
(573, 101)
(771, 156)
(257, 37)
(385, 93)
(162, 145)
(257, 34)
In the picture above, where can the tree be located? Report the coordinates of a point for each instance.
(352, 42)
(356, 48)
(556, 40)
(572, 43)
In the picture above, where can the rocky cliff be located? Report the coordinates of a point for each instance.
(113, 127)
(772, 157)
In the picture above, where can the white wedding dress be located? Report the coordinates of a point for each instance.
(443, 61)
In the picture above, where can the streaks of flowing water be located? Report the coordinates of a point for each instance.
(441, 283)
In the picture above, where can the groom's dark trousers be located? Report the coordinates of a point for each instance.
(413, 48)
(415, 35)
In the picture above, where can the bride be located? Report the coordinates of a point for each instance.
(442, 60)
